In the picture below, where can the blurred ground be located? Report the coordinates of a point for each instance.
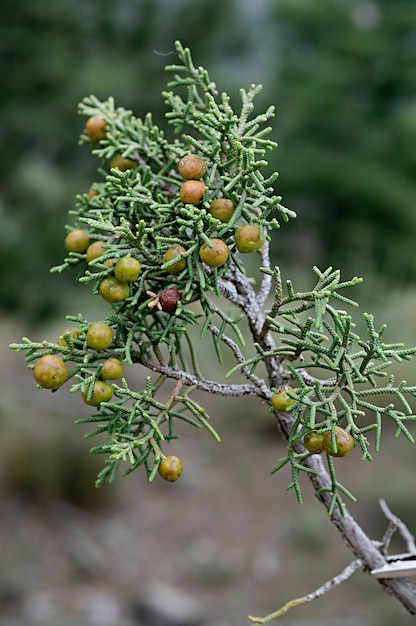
(225, 541)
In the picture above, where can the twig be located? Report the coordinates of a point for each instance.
(266, 283)
(174, 393)
(211, 386)
(395, 524)
(247, 300)
(228, 290)
(263, 388)
(311, 380)
(328, 586)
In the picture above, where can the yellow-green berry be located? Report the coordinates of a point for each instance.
(170, 468)
(127, 269)
(281, 400)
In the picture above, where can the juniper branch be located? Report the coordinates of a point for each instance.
(139, 212)
(209, 386)
(352, 534)
(264, 390)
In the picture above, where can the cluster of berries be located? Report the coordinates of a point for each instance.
(337, 445)
(192, 168)
(247, 238)
(51, 371)
(114, 288)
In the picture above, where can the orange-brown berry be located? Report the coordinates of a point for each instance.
(247, 238)
(313, 442)
(113, 290)
(173, 253)
(121, 163)
(222, 209)
(101, 392)
(92, 192)
(95, 128)
(112, 369)
(99, 336)
(95, 250)
(127, 269)
(192, 166)
(344, 443)
(282, 399)
(192, 192)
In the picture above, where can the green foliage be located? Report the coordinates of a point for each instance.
(138, 213)
(344, 387)
(304, 338)
(99, 47)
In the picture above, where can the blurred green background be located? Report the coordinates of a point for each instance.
(342, 77)
(342, 74)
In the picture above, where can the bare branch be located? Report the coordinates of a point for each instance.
(266, 283)
(228, 291)
(311, 380)
(395, 524)
(357, 540)
(247, 301)
(328, 586)
(211, 386)
(263, 388)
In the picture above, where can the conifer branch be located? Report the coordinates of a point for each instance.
(188, 270)
(210, 386)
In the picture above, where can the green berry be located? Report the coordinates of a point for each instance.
(99, 336)
(50, 371)
(71, 333)
(216, 255)
(192, 166)
(127, 269)
(247, 238)
(344, 443)
(313, 442)
(101, 392)
(173, 253)
(113, 290)
(170, 468)
(77, 241)
(281, 399)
